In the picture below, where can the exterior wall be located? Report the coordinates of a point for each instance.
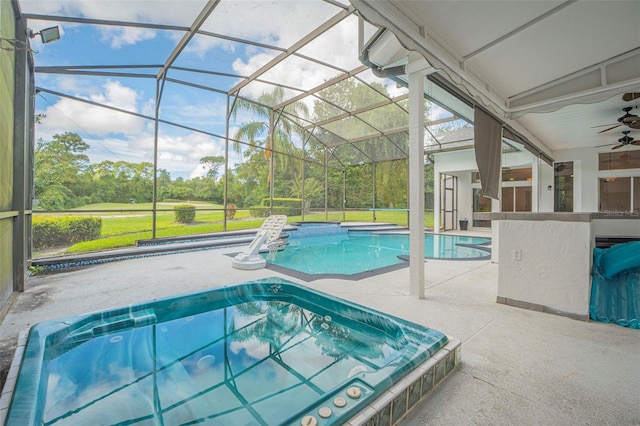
(7, 85)
(586, 175)
(462, 163)
(542, 186)
(553, 270)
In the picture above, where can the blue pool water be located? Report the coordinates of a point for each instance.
(351, 252)
(267, 352)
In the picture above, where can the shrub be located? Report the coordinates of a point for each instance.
(64, 231)
(185, 213)
(259, 211)
(231, 211)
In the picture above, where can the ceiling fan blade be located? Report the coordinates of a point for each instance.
(630, 96)
(604, 125)
(635, 143)
(618, 146)
(606, 144)
(634, 125)
(606, 130)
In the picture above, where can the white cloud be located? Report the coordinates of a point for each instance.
(99, 127)
(176, 12)
(92, 119)
(123, 36)
(253, 348)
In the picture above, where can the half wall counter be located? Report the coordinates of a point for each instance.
(545, 259)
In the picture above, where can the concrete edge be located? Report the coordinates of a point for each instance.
(540, 308)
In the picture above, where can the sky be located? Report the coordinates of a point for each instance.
(116, 136)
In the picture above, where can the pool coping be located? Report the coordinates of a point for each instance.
(394, 404)
(388, 409)
(347, 277)
(12, 376)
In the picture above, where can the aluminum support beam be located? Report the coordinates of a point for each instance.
(339, 17)
(193, 30)
(416, 184)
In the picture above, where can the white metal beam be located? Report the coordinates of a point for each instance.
(193, 30)
(416, 184)
(337, 18)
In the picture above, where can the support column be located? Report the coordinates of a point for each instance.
(416, 73)
(270, 152)
(225, 193)
(20, 187)
(154, 195)
(437, 194)
(496, 206)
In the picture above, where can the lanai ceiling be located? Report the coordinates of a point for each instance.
(557, 68)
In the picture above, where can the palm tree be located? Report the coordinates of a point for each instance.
(274, 132)
(260, 132)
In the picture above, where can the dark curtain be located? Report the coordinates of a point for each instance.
(487, 132)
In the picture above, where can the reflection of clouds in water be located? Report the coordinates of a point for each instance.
(95, 403)
(177, 385)
(253, 348)
(190, 357)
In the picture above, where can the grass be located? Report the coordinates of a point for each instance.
(122, 227)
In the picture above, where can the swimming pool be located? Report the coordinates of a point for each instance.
(357, 254)
(266, 352)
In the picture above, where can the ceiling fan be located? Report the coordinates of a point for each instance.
(630, 96)
(626, 140)
(630, 120)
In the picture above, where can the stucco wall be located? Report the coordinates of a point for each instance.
(554, 267)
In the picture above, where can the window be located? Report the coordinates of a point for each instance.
(516, 199)
(516, 193)
(616, 160)
(563, 184)
(481, 204)
(516, 189)
(615, 194)
(517, 175)
(509, 175)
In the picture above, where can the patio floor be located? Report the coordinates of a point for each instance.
(518, 366)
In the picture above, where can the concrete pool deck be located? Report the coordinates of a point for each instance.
(518, 366)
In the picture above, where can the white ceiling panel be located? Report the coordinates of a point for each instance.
(552, 69)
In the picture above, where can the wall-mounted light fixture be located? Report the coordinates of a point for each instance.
(47, 35)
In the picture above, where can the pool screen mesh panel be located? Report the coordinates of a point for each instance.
(369, 125)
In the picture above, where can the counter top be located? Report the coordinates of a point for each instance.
(561, 217)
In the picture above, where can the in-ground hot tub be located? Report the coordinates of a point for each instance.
(267, 352)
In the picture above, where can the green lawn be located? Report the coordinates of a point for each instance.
(124, 224)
